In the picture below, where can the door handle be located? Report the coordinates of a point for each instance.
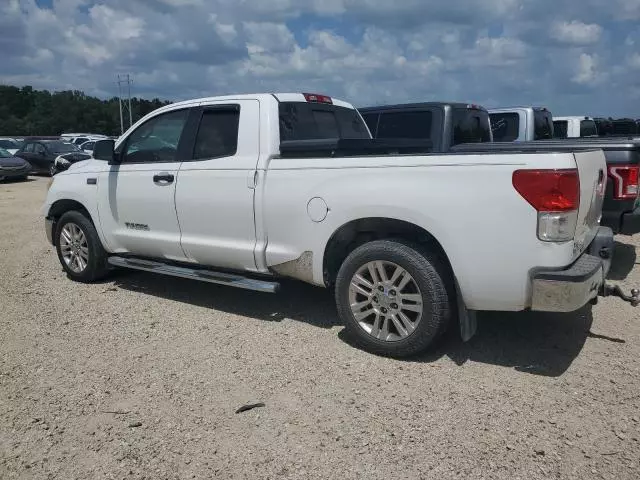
(163, 178)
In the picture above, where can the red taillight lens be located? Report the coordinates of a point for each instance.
(549, 190)
(315, 98)
(625, 181)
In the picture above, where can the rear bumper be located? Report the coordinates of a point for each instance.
(570, 289)
(625, 223)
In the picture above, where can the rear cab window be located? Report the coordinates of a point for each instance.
(560, 128)
(316, 121)
(471, 125)
(505, 127)
(542, 124)
(587, 128)
(405, 124)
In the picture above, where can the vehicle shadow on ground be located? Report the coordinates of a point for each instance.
(296, 300)
(536, 343)
(623, 261)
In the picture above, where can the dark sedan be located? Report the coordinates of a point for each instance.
(42, 155)
(13, 168)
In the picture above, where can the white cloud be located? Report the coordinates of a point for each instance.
(576, 33)
(365, 51)
(587, 70)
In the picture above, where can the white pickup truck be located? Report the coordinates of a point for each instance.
(243, 190)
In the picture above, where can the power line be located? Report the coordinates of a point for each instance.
(125, 106)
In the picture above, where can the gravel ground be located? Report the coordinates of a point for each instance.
(140, 377)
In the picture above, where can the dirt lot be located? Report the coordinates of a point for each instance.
(140, 377)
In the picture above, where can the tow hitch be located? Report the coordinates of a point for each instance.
(616, 291)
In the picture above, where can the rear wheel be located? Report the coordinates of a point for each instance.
(393, 297)
(79, 248)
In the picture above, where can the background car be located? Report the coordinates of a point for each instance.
(13, 168)
(87, 147)
(50, 156)
(10, 145)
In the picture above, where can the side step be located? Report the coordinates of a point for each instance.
(210, 276)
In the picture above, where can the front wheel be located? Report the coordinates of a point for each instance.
(393, 297)
(79, 248)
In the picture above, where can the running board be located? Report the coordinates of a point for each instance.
(210, 276)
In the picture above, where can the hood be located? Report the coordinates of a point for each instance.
(13, 162)
(75, 156)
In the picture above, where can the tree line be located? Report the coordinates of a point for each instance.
(25, 111)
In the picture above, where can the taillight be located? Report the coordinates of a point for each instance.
(315, 98)
(625, 181)
(555, 194)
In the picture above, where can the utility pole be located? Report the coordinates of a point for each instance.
(125, 105)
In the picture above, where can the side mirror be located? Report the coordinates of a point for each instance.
(104, 150)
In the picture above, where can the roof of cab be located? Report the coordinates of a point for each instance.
(420, 105)
(572, 117)
(280, 97)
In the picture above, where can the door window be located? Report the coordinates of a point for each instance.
(28, 148)
(217, 134)
(157, 139)
(39, 149)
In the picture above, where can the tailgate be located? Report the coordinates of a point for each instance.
(592, 170)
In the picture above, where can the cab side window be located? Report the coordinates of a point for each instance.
(157, 139)
(217, 134)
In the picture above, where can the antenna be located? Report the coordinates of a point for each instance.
(125, 106)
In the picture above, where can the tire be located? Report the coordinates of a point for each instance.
(401, 330)
(90, 262)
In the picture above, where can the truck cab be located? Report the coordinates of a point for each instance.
(574, 127)
(444, 124)
(521, 124)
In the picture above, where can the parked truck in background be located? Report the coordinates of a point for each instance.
(244, 190)
(521, 124)
(574, 127)
(443, 124)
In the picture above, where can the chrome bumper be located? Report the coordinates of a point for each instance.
(570, 289)
(48, 228)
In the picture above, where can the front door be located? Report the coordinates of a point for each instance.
(215, 192)
(137, 196)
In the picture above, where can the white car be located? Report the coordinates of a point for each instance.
(243, 190)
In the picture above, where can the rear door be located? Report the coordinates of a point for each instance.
(216, 185)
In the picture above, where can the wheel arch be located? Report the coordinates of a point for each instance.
(356, 232)
(62, 206)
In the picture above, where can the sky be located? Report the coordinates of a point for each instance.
(577, 57)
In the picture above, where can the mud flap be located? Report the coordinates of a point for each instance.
(467, 318)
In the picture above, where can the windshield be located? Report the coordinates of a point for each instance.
(62, 147)
(8, 143)
(307, 121)
(4, 153)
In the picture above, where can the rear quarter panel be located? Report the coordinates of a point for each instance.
(467, 202)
